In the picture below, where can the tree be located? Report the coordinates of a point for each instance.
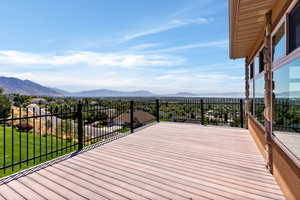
(18, 100)
(5, 105)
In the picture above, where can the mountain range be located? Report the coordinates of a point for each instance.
(27, 87)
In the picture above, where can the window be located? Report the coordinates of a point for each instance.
(278, 43)
(251, 70)
(256, 64)
(259, 104)
(261, 61)
(286, 105)
(294, 29)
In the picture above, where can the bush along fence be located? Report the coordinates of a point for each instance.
(37, 133)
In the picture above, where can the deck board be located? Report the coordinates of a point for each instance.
(163, 161)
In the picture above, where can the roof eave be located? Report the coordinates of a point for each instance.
(232, 12)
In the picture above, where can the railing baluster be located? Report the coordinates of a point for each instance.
(27, 147)
(46, 124)
(61, 129)
(56, 130)
(51, 127)
(202, 111)
(131, 117)
(33, 121)
(241, 113)
(12, 140)
(4, 144)
(20, 137)
(157, 110)
(40, 114)
(80, 126)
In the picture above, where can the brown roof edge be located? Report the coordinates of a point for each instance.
(240, 48)
(232, 10)
(230, 30)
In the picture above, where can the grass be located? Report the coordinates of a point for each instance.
(16, 149)
(124, 130)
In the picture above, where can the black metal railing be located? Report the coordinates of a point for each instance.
(206, 111)
(33, 135)
(37, 133)
(259, 107)
(286, 115)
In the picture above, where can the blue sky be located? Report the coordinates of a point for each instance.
(163, 46)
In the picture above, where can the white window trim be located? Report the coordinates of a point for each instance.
(295, 54)
(278, 26)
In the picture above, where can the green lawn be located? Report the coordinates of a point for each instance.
(123, 130)
(16, 149)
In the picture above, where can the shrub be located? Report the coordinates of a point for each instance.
(24, 127)
(5, 105)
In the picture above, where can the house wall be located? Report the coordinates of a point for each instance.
(286, 168)
(285, 171)
(258, 134)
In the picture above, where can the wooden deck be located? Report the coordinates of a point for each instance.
(164, 161)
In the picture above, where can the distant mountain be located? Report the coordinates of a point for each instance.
(63, 92)
(184, 94)
(290, 94)
(113, 93)
(25, 87)
(223, 94)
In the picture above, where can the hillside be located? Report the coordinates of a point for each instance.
(25, 87)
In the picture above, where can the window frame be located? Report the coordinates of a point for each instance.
(251, 81)
(289, 56)
(251, 70)
(258, 76)
(261, 61)
(291, 9)
(258, 54)
(276, 29)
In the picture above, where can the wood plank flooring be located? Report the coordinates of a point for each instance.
(163, 161)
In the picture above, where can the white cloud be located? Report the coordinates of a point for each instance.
(190, 21)
(177, 23)
(200, 82)
(23, 76)
(219, 44)
(129, 60)
(172, 80)
(213, 77)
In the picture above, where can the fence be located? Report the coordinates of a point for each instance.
(286, 115)
(35, 134)
(207, 111)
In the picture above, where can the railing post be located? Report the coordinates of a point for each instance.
(157, 110)
(202, 111)
(80, 126)
(268, 90)
(247, 92)
(226, 117)
(241, 113)
(131, 117)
